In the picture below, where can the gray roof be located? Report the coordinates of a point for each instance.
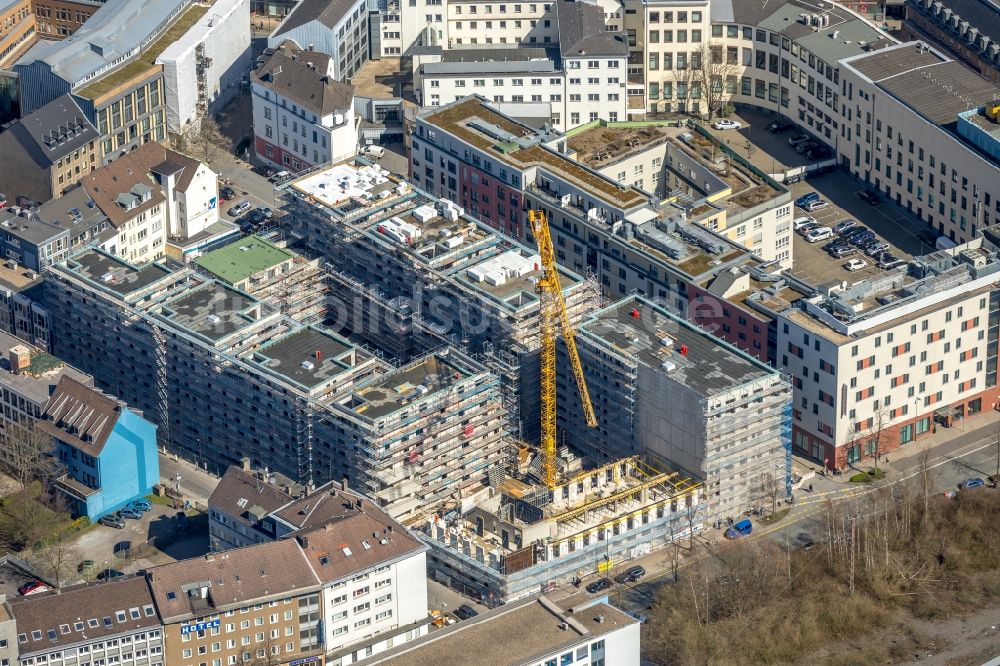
(117, 28)
(981, 14)
(583, 32)
(69, 213)
(327, 12)
(635, 327)
(926, 81)
(53, 131)
(490, 67)
(287, 73)
(36, 387)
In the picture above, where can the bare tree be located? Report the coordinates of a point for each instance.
(874, 438)
(771, 487)
(28, 458)
(204, 140)
(718, 76)
(996, 446)
(268, 653)
(57, 558)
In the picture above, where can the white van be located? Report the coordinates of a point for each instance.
(372, 151)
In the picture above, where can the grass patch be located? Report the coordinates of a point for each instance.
(869, 476)
(147, 58)
(774, 517)
(28, 520)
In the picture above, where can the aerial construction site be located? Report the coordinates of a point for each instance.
(384, 335)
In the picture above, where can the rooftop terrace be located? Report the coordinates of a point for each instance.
(430, 230)
(603, 144)
(309, 357)
(243, 259)
(458, 119)
(640, 330)
(114, 274)
(394, 390)
(214, 310)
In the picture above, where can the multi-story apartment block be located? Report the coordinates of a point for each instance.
(28, 376)
(17, 29)
(57, 19)
(311, 404)
(661, 385)
(204, 67)
(425, 269)
(303, 116)
(260, 603)
(108, 451)
(881, 362)
(47, 152)
(338, 29)
(580, 77)
(110, 72)
(111, 622)
(22, 305)
(535, 630)
(923, 159)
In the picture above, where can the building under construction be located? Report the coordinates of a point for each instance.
(406, 268)
(662, 385)
(225, 375)
(519, 536)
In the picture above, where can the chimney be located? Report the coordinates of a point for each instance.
(343, 483)
(319, 355)
(20, 358)
(245, 463)
(304, 541)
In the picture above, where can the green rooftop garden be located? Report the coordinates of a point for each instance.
(242, 259)
(147, 58)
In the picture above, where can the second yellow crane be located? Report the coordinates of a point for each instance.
(552, 308)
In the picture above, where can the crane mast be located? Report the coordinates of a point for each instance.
(552, 309)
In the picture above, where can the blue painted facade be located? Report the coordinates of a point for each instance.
(127, 467)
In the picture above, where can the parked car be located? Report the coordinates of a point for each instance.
(631, 575)
(266, 171)
(848, 235)
(888, 261)
(227, 193)
(112, 520)
(128, 512)
(842, 251)
(798, 138)
(3, 200)
(855, 264)
(142, 504)
(465, 611)
(638, 617)
(108, 574)
(255, 217)
(844, 225)
(266, 212)
(779, 126)
(802, 221)
(280, 178)
(871, 196)
(598, 585)
(813, 206)
(805, 145)
(876, 248)
(928, 237)
(32, 587)
(818, 152)
(239, 209)
(740, 529)
(372, 151)
(964, 485)
(726, 124)
(806, 228)
(859, 240)
(85, 567)
(819, 234)
(806, 198)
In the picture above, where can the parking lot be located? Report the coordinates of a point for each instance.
(766, 150)
(887, 221)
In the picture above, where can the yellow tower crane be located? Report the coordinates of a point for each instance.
(552, 306)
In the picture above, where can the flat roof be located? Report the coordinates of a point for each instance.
(437, 237)
(309, 357)
(520, 632)
(42, 374)
(602, 146)
(243, 259)
(394, 390)
(114, 274)
(346, 188)
(637, 329)
(925, 80)
(214, 310)
(455, 119)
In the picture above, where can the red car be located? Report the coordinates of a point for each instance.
(33, 587)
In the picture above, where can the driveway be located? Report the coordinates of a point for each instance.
(765, 150)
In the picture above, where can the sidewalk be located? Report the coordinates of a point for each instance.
(939, 443)
(195, 483)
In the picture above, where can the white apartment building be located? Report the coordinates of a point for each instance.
(302, 116)
(338, 29)
(883, 361)
(203, 69)
(372, 570)
(592, 633)
(520, 23)
(588, 84)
